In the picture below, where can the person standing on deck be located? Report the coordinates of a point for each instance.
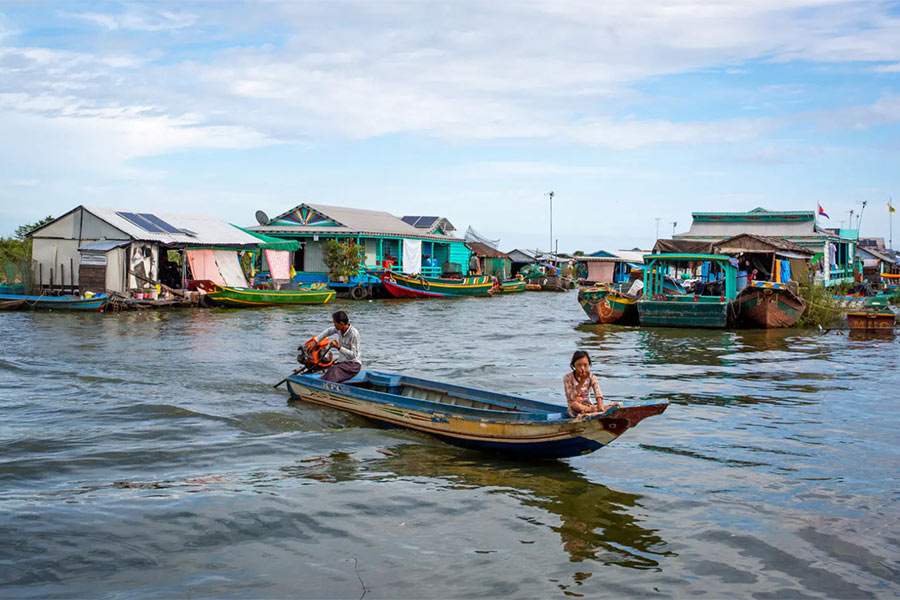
(347, 362)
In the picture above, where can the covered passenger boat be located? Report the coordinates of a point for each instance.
(770, 305)
(710, 307)
(471, 417)
(243, 297)
(419, 286)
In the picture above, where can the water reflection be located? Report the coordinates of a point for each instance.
(596, 522)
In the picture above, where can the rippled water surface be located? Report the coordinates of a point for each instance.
(146, 455)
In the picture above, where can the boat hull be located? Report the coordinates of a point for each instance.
(686, 313)
(549, 434)
(251, 297)
(511, 287)
(769, 305)
(15, 301)
(871, 320)
(603, 304)
(406, 286)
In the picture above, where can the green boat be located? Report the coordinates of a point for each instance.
(512, 286)
(712, 307)
(239, 297)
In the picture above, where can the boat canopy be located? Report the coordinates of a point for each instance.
(273, 243)
(685, 257)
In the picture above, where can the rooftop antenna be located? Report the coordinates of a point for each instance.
(657, 226)
(859, 218)
(674, 225)
(262, 218)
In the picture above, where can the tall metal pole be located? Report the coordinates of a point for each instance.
(550, 248)
(657, 228)
(891, 222)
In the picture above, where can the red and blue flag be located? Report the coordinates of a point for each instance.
(822, 213)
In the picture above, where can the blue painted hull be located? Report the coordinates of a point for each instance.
(470, 417)
(96, 303)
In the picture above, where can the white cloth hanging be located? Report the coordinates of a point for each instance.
(412, 256)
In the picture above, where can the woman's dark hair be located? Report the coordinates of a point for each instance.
(340, 317)
(579, 354)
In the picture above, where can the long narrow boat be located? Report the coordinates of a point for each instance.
(608, 304)
(769, 304)
(418, 286)
(470, 417)
(19, 301)
(511, 286)
(239, 297)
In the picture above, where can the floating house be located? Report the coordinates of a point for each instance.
(492, 261)
(762, 253)
(386, 239)
(605, 266)
(108, 250)
(876, 260)
(834, 250)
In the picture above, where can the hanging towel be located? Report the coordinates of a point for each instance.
(412, 256)
(230, 267)
(203, 266)
(776, 276)
(279, 263)
(785, 271)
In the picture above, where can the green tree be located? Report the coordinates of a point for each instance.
(343, 259)
(17, 248)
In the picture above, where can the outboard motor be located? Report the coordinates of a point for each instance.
(317, 359)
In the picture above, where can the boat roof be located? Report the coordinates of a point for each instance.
(674, 257)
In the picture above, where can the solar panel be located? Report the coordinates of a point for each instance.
(140, 222)
(160, 223)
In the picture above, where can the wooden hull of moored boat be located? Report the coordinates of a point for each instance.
(678, 313)
(524, 428)
(251, 297)
(406, 286)
(871, 320)
(511, 287)
(16, 301)
(603, 304)
(769, 305)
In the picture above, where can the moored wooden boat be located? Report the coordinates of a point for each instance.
(872, 319)
(606, 303)
(470, 417)
(770, 305)
(17, 301)
(418, 286)
(658, 308)
(239, 297)
(511, 286)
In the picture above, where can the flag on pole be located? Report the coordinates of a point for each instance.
(822, 213)
(891, 208)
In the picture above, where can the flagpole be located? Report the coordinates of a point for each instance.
(891, 221)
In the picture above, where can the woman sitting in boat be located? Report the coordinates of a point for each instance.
(347, 362)
(579, 385)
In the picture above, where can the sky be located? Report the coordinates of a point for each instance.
(634, 114)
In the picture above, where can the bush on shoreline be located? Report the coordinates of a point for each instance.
(822, 308)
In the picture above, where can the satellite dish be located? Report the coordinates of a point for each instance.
(262, 218)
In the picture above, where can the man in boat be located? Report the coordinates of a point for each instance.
(346, 341)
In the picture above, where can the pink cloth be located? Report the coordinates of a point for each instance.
(279, 263)
(203, 266)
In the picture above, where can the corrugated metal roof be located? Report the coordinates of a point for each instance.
(353, 221)
(102, 246)
(484, 250)
(205, 230)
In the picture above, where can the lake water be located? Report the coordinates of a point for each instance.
(146, 455)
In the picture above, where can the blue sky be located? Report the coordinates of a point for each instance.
(628, 111)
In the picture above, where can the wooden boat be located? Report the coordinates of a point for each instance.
(417, 286)
(607, 303)
(770, 305)
(17, 301)
(470, 417)
(657, 308)
(511, 286)
(248, 297)
(873, 318)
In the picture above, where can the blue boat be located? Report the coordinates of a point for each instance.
(470, 417)
(20, 301)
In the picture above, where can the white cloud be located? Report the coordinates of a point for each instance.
(138, 18)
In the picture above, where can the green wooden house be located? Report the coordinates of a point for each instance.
(383, 237)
